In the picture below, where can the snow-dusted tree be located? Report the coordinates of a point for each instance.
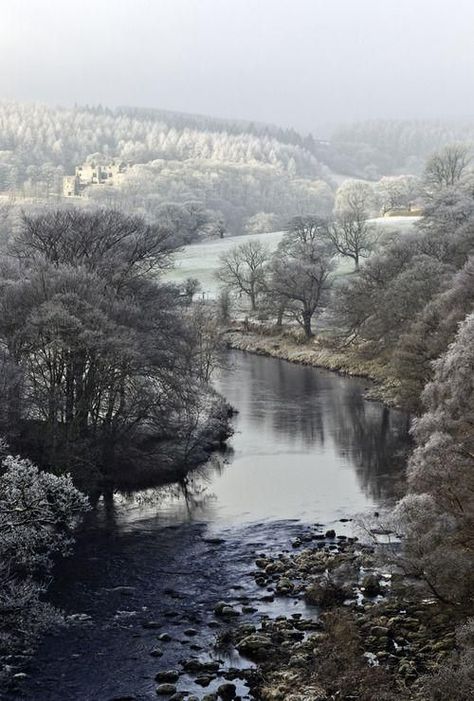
(429, 336)
(38, 515)
(356, 197)
(446, 167)
(437, 516)
(397, 192)
(301, 276)
(261, 223)
(352, 237)
(243, 269)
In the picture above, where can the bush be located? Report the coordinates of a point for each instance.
(38, 515)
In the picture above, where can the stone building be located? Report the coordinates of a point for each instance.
(91, 173)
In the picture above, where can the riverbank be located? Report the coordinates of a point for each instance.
(319, 352)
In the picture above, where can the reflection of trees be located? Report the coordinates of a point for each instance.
(312, 407)
(287, 398)
(374, 438)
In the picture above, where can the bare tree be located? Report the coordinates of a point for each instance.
(300, 278)
(447, 167)
(306, 229)
(352, 235)
(243, 269)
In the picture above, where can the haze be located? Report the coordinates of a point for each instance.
(302, 63)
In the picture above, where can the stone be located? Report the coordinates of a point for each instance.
(225, 610)
(164, 637)
(330, 534)
(190, 632)
(156, 652)
(170, 675)
(197, 666)
(371, 585)
(205, 679)
(284, 586)
(249, 609)
(166, 689)
(256, 646)
(227, 691)
(151, 624)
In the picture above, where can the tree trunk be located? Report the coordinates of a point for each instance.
(279, 321)
(307, 324)
(253, 301)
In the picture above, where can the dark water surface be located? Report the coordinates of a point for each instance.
(307, 448)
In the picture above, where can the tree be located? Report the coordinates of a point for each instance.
(98, 346)
(38, 515)
(261, 223)
(437, 516)
(352, 236)
(397, 192)
(446, 167)
(191, 287)
(356, 197)
(429, 336)
(305, 229)
(243, 269)
(300, 277)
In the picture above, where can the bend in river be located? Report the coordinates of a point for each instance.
(307, 448)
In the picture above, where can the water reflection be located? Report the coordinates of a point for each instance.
(307, 443)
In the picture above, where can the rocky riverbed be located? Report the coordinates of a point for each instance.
(369, 634)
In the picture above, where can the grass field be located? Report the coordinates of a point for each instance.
(201, 260)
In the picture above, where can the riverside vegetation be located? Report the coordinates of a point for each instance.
(405, 319)
(105, 385)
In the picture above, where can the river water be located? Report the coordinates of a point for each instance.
(307, 449)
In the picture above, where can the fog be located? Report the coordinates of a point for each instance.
(304, 63)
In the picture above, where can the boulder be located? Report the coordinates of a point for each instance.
(170, 675)
(227, 691)
(166, 689)
(255, 646)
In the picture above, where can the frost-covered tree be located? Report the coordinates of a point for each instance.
(300, 275)
(446, 167)
(437, 516)
(38, 515)
(243, 270)
(397, 192)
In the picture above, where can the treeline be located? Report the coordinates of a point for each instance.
(376, 148)
(240, 197)
(34, 136)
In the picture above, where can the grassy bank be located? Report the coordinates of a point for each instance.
(321, 351)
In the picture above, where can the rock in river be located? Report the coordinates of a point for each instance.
(166, 689)
(255, 646)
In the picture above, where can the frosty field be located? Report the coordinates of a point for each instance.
(201, 260)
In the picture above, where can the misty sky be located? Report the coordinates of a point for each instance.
(303, 63)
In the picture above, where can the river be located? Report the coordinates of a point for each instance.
(307, 448)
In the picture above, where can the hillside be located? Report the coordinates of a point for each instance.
(243, 175)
